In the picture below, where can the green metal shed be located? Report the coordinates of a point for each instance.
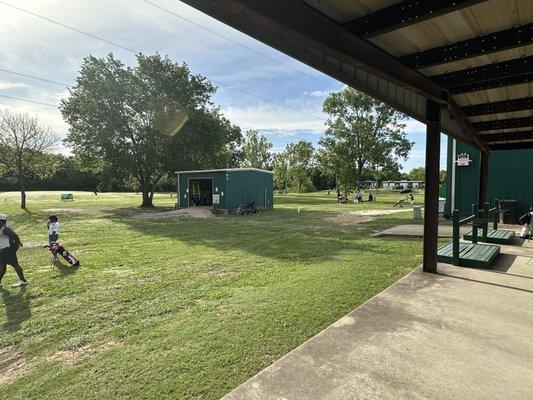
(509, 177)
(225, 189)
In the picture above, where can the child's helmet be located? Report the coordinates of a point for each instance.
(53, 218)
(3, 217)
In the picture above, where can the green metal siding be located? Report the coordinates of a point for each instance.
(509, 178)
(235, 187)
(219, 182)
(251, 186)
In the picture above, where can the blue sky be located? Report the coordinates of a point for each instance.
(235, 63)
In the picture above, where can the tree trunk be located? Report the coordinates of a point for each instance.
(22, 194)
(147, 199)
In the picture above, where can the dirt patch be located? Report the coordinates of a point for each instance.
(75, 356)
(191, 212)
(347, 219)
(375, 213)
(77, 209)
(12, 365)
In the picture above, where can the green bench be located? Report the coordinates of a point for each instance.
(494, 235)
(497, 236)
(476, 255)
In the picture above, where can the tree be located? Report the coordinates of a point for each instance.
(23, 143)
(442, 176)
(417, 174)
(139, 120)
(256, 151)
(300, 163)
(280, 167)
(361, 132)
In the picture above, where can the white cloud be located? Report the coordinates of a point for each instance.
(4, 85)
(318, 93)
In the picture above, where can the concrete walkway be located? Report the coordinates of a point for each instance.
(418, 230)
(461, 334)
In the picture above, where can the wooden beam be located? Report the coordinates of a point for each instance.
(492, 138)
(498, 107)
(486, 44)
(498, 124)
(297, 29)
(402, 14)
(488, 76)
(431, 188)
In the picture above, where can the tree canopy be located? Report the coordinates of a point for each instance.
(361, 132)
(24, 145)
(147, 121)
(256, 151)
(300, 160)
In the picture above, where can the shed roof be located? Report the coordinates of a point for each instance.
(225, 170)
(473, 57)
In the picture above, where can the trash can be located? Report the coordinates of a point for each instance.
(510, 211)
(417, 212)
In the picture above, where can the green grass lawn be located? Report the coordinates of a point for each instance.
(182, 308)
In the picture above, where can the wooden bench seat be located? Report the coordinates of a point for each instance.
(498, 236)
(479, 255)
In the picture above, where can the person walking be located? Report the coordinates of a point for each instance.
(358, 196)
(9, 244)
(53, 235)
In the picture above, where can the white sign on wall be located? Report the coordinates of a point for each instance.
(463, 160)
(216, 199)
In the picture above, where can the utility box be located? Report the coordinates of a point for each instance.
(225, 190)
(510, 211)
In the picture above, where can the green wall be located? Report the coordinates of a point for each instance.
(234, 186)
(510, 177)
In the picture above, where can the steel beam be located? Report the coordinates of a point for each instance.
(402, 14)
(512, 146)
(431, 188)
(511, 72)
(486, 44)
(498, 107)
(510, 123)
(492, 138)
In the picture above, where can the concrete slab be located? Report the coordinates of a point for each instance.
(412, 230)
(462, 334)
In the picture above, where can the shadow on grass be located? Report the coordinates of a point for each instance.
(280, 234)
(65, 269)
(17, 308)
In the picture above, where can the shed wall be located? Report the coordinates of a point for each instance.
(510, 177)
(234, 187)
(219, 182)
(251, 186)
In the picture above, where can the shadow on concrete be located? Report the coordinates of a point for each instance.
(486, 283)
(17, 308)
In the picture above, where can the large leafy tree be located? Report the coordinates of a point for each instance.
(300, 163)
(256, 151)
(361, 132)
(281, 171)
(146, 120)
(417, 174)
(23, 147)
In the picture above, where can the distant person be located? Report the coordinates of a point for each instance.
(53, 228)
(53, 234)
(370, 198)
(358, 196)
(9, 244)
(411, 198)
